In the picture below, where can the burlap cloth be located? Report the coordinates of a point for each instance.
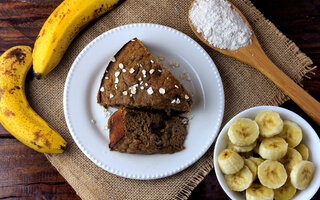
(244, 87)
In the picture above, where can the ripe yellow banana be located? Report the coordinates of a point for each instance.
(16, 115)
(61, 27)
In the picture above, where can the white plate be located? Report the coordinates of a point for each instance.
(310, 139)
(80, 104)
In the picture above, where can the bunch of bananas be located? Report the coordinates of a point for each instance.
(59, 30)
(281, 165)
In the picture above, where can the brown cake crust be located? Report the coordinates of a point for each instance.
(141, 132)
(141, 71)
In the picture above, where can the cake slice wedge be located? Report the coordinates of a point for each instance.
(136, 79)
(142, 132)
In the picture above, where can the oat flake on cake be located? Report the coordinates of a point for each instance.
(219, 24)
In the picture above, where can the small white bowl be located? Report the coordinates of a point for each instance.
(310, 139)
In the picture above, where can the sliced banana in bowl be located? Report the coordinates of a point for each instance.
(285, 151)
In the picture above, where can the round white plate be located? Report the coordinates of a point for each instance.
(82, 84)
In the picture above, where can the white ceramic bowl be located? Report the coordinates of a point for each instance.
(310, 138)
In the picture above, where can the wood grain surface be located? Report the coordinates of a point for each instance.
(26, 174)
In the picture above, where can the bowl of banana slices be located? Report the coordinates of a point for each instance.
(268, 152)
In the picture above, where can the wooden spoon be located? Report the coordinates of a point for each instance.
(254, 56)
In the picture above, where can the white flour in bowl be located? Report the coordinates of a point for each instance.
(219, 24)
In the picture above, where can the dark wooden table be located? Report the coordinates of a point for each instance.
(26, 174)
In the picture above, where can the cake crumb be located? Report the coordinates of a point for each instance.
(131, 70)
(125, 93)
(106, 114)
(102, 89)
(113, 59)
(105, 127)
(190, 117)
(93, 121)
(188, 78)
(150, 91)
(183, 75)
(184, 121)
(161, 57)
(151, 71)
(111, 96)
(162, 91)
(174, 63)
(121, 66)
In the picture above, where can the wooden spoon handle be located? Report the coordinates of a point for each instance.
(304, 100)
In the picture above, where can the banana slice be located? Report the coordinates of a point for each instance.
(253, 168)
(243, 132)
(303, 150)
(230, 162)
(272, 174)
(292, 133)
(285, 192)
(269, 122)
(302, 174)
(273, 148)
(240, 180)
(290, 159)
(259, 192)
(241, 148)
(257, 161)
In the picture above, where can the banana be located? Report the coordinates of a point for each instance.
(253, 168)
(230, 162)
(240, 180)
(257, 161)
(302, 174)
(303, 150)
(292, 133)
(269, 122)
(60, 29)
(16, 115)
(290, 159)
(241, 148)
(243, 132)
(285, 192)
(273, 148)
(272, 174)
(259, 192)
